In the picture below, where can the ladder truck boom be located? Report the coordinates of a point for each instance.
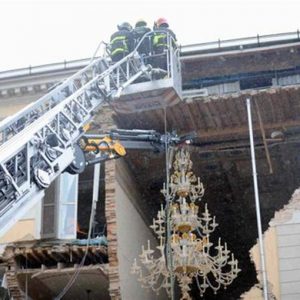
(40, 142)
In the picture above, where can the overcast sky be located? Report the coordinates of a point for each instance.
(42, 31)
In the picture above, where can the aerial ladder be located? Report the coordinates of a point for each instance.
(41, 141)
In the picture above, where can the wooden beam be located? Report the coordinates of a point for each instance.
(31, 253)
(262, 129)
(56, 256)
(42, 253)
(243, 130)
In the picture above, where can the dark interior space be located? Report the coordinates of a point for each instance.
(229, 194)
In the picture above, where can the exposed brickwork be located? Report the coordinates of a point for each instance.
(11, 276)
(103, 120)
(110, 213)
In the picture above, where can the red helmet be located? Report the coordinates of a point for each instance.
(162, 21)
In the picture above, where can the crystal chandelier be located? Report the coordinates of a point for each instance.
(192, 257)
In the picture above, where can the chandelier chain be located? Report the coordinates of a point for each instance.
(169, 260)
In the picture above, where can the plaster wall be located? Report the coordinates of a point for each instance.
(272, 267)
(132, 233)
(27, 228)
(287, 224)
(282, 248)
(289, 260)
(11, 105)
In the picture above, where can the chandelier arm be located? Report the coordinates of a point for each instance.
(163, 283)
(199, 232)
(205, 223)
(224, 263)
(227, 280)
(217, 264)
(148, 279)
(201, 289)
(224, 278)
(210, 262)
(220, 265)
(207, 281)
(216, 267)
(215, 288)
(228, 277)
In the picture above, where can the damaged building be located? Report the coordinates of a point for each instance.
(43, 246)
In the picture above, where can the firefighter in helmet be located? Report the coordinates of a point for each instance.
(139, 32)
(160, 36)
(121, 42)
(160, 42)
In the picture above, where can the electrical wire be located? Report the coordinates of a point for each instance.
(167, 211)
(26, 278)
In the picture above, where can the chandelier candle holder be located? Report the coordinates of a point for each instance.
(194, 257)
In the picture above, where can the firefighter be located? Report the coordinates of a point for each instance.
(139, 31)
(160, 42)
(121, 42)
(160, 37)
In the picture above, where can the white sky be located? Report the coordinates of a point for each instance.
(42, 31)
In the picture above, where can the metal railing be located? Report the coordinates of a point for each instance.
(31, 70)
(65, 65)
(240, 43)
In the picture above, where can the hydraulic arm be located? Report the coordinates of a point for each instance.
(113, 144)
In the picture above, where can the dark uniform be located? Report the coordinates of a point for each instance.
(145, 46)
(121, 43)
(160, 43)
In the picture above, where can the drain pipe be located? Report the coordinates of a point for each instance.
(257, 205)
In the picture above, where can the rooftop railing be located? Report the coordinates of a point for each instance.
(240, 43)
(219, 45)
(31, 70)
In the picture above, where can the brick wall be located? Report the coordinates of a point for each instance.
(111, 220)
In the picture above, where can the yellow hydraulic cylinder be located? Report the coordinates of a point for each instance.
(105, 144)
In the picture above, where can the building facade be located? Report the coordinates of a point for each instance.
(44, 245)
